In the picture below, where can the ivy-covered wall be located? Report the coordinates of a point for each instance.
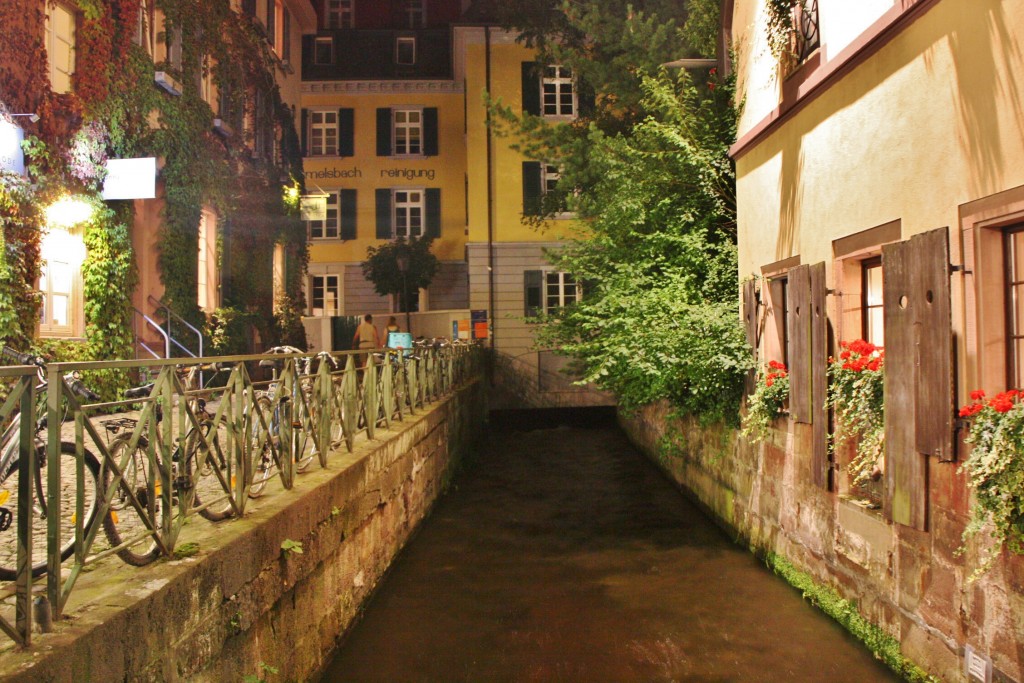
(116, 111)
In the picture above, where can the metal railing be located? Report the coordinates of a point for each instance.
(177, 450)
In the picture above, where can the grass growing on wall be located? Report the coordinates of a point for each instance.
(881, 644)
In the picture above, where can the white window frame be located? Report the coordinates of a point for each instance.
(561, 282)
(399, 42)
(550, 174)
(274, 24)
(322, 40)
(143, 29)
(325, 285)
(404, 131)
(416, 11)
(329, 229)
(324, 128)
(207, 280)
(339, 14)
(61, 75)
(412, 211)
(206, 81)
(556, 82)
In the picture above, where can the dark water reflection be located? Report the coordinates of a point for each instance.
(562, 555)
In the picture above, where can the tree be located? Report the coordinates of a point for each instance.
(381, 267)
(648, 174)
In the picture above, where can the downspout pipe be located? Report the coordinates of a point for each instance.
(492, 318)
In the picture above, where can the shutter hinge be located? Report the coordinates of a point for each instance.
(960, 269)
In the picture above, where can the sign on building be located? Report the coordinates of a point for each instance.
(11, 157)
(130, 179)
(313, 208)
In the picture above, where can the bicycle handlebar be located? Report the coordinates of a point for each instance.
(79, 389)
(23, 358)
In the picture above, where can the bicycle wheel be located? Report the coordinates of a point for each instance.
(263, 458)
(209, 487)
(124, 521)
(9, 496)
(303, 446)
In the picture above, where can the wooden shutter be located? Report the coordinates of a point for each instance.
(384, 132)
(249, 7)
(933, 320)
(433, 213)
(750, 326)
(531, 188)
(819, 376)
(346, 132)
(799, 323)
(777, 292)
(305, 131)
(384, 231)
(430, 145)
(347, 212)
(531, 72)
(533, 291)
(585, 99)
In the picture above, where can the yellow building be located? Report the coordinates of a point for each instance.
(880, 189)
(405, 150)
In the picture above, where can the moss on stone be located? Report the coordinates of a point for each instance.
(881, 644)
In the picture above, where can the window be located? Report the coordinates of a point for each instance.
(548, 291)
(324, 295)
(805, 38)
(872, 311)
(405, 50)
(339, 13)
(1013, 258)
(408, 132)
(550, 175)
(142, 35)
(172, 41)
(56, 284)
(207, 298)
(323, 133)
(558, 94)
(60, 46)
(330, 228)
(408, 207)
(205, 80)
(286, 36)
(324, 51)
(416, 11)
(560, 290)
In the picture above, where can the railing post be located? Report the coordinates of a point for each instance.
(54, 392)
(26, 478)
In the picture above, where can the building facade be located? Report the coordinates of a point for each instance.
(206, 90)
(880, 188)
(396, 133)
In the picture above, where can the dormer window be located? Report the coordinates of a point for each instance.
(405, 51)
(323, 53)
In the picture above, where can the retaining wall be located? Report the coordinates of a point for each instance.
(242, 601)
(914, 584)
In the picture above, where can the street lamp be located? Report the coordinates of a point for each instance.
(403, 267)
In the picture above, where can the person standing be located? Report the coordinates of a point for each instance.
(392, 326)
(366, 338)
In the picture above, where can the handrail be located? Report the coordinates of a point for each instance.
(170, 314)
(159, 329)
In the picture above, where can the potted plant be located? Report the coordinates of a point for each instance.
(856, 394)
(771, 392)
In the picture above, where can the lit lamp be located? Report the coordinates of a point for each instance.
(61, 216)
(67, 212)
(403, 267)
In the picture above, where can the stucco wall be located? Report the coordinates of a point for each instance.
(910, 583)
(242, 601)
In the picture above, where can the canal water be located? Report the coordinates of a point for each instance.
(561, 554)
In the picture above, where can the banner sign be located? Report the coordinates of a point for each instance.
(130, 179)
(11, 157)
(313, 208)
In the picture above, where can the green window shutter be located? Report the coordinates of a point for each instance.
(305, 132)
(433, 197)
(384, 132)
(346, 133)
(430, 147)
(531, 88)
(347, 200)
(384, 231)
(531, 188)
(585, 99)
(533, 290)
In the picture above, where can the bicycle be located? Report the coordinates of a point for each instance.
(187, 471)
(289, 413)
(10, 473)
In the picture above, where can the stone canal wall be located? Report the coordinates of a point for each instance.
(242, 602)
(911, 583)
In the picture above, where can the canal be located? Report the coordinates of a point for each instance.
(561, 554)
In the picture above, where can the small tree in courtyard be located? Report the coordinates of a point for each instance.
(383, 267)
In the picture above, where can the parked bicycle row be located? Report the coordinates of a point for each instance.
(205, 436)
